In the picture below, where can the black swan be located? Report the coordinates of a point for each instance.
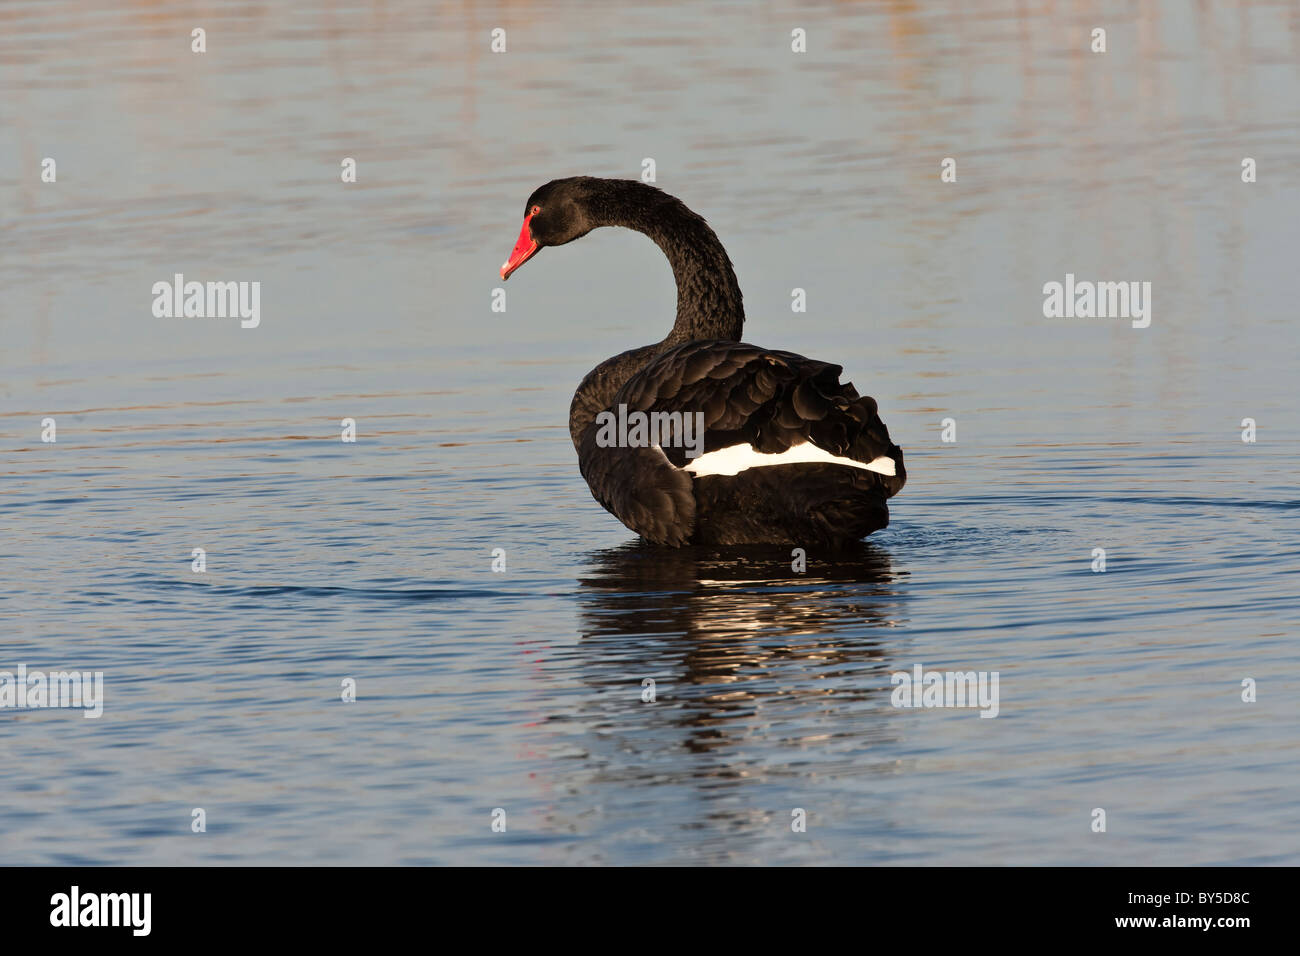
(788, 455)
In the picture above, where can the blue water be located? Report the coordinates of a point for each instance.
(521, 690)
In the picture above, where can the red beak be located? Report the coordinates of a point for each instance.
(523, 250)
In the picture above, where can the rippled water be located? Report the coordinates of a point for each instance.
(521, 690)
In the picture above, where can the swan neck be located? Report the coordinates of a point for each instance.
(709, 302)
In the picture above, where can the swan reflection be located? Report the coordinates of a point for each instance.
(738, 643)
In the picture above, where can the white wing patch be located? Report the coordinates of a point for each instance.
(738, 458)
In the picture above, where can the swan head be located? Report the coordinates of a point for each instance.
(559, 212)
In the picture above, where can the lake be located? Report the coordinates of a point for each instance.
(1033, 443)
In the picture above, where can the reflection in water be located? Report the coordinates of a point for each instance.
(707, 593)
(738, 643)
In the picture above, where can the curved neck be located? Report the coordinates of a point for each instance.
(709, 303)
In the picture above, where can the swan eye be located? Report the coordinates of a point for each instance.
(535, 210)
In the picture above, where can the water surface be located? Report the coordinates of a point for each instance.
(522, 689)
